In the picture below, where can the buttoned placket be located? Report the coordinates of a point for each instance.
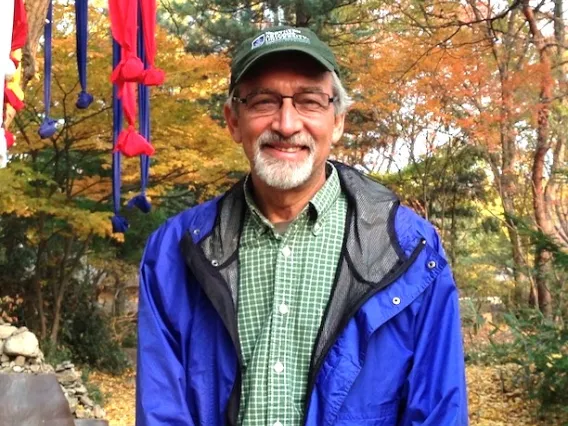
(277, 373)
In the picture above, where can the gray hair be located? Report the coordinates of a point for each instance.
(341, 103)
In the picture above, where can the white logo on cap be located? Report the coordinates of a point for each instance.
(271, 37)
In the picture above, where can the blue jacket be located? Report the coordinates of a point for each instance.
(389, 351)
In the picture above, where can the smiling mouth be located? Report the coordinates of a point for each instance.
(286, 148)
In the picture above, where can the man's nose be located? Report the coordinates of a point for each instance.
(287, 121)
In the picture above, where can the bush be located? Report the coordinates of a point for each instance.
(87, 335)
(540, 350)
(93, 390)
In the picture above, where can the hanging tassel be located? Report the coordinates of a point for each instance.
(82, 23)
(47, 128)
(152, 76)
(123, 15)
(119, 223)
(140, 201)
(129, 70)
(131, 143)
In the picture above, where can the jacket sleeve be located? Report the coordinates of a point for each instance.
(436, 384)
(161, 380)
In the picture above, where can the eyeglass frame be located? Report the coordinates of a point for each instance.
(243, 101)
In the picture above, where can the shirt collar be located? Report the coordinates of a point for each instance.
(318, 206)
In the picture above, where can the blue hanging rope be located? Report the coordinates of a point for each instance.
(82, 23)
(140, 200)
(119, 223)
(47, 128)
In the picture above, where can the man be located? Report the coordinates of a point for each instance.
(306, 294)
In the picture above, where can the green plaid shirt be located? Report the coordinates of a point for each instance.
(284, 286)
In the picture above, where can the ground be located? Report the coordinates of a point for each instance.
(492, 400)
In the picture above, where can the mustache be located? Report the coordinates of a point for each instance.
(270, 137)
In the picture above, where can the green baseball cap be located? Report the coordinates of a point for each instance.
(279, 39)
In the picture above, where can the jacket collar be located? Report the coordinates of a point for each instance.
(372, 246)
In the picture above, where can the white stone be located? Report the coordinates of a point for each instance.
(20, 360)
(6, 331)
(17, 369)
(72, 403)
(99, 412)
(86, 401)
(67, 377)
(25, 344)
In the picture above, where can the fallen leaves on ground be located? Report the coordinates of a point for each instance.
(493, 398)
(119, 394)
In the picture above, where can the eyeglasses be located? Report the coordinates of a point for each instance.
(306, 103)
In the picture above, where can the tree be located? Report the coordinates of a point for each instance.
(54, 207)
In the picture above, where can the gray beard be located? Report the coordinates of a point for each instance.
(283, 174)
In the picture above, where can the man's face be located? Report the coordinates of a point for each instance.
(286, 148)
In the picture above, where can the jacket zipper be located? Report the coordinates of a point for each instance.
(315, 368)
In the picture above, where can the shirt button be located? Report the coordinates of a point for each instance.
(396, 300)
(431, 264)
(277, 423)
(283, 309)
(286, 251)
(279, 367)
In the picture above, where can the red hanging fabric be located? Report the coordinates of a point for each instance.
(130, 70)
(152, 76)
(9, 138)
(124, 27)
(20, 29)
(11, 98)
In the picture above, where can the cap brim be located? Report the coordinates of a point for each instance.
(318, 58)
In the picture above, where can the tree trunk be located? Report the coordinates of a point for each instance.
(37, 12)
(543, 222)
(65, 278)
(36, 280)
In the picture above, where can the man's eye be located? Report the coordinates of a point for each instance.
(263, 101)
(311, 101)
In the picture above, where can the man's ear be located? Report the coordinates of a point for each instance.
(338, 126)
(233, 122)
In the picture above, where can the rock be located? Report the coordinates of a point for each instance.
(24, 343)
(67, 377)
(86, 401)
(73, 402)
(99, 412)
(4, 358)
(20, 360)
(1, 346)
(80, 412)
(17, 369)
(34, 369)
(81, 390)
(6, 331)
